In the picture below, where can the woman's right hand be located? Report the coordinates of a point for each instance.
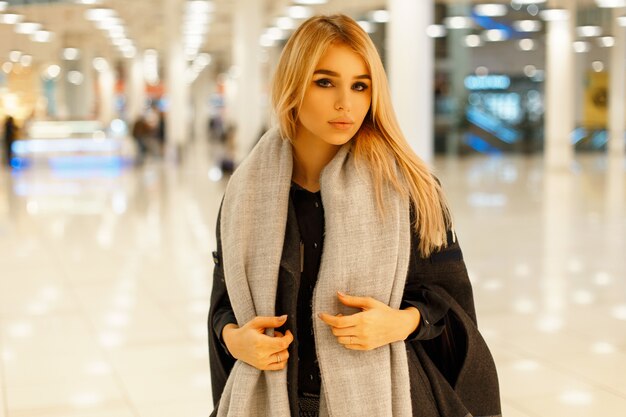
(250, 344)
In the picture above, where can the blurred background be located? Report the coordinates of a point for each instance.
(122, 121)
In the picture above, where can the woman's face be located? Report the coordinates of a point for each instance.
(336, 99)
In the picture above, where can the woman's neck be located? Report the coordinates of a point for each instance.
(310, 156)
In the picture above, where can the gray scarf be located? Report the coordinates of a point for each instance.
(364, 255)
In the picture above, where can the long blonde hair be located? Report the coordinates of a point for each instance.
(379, 141)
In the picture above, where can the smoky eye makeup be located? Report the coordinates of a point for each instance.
(323, 82)
(360, 86)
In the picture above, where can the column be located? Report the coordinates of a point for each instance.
(617, 90)
(80, 98)
(247, 113)
(106, 93)
(410, 69)
(135, 88)
(201, 92)
(559, 91)
(176, 86)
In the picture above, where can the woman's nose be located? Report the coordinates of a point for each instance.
(343, 102)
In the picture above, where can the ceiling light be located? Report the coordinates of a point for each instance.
(581, 47)
(285, 23)
(299, 12)
(311, 1)
(496, 35)
(100, 64)
(550, 15)
(380, 16)
(109, 22)
(275, 33)
(598, 66)
(588, 31)
(26, 60)
(7, 67)
(27, 28)
(366, 26)
(199, 6)
(611, 3)
(129, 52)
(621, 20)
(530, 71)
(203, 59)
(75, 77)
(528, 1)
(527, 25)
(490, 10)
(71, 54)
(52, 72)
(42, 36)
(99, 14)
(606, 41)
(473, 41)
(89, 2)
(10, 18)
(3, 5)
(526, 44)
(436, 31)
(532, 9)
(15, 55)
(265, 41)
(458, 22)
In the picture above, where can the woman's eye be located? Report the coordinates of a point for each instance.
(360, 87)
(324, 82)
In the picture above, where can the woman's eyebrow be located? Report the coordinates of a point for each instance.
(335, 74)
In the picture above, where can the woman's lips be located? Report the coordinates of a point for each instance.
(341, 125)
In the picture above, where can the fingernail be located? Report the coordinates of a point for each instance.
(341, 294)
(319, 315)
(283, 317)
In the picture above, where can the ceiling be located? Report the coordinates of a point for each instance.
(145, 21)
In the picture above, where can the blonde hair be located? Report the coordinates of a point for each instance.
(379, 141)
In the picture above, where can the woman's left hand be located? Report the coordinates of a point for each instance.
(376, 325)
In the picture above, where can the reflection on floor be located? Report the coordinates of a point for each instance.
(105, 285)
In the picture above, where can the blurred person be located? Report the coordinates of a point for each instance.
(10, 135)
(339, 286)
(141, 133)
(159, 133)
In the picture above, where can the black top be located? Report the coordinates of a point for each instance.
(310, 214)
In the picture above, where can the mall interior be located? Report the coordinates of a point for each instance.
(122, 121)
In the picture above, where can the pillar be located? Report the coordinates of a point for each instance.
(410, 69)
(176, 86)
(247, 113)
(135, 88)
(559, 91)
(617, 90)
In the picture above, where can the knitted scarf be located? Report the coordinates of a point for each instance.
(364, 255)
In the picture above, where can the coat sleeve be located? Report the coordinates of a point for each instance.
(220, 361)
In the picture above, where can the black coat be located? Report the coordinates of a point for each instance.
(451, 375)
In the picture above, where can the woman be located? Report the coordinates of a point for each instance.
(339, 288)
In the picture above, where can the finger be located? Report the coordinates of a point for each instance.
(339, 322)
(275, 366)
(364, 303)
(277, 360)
(346, 331)
(278, 343)
(267, 322)
(351, 342)
(355, 347)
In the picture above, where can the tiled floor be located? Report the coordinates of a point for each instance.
(105, 282)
